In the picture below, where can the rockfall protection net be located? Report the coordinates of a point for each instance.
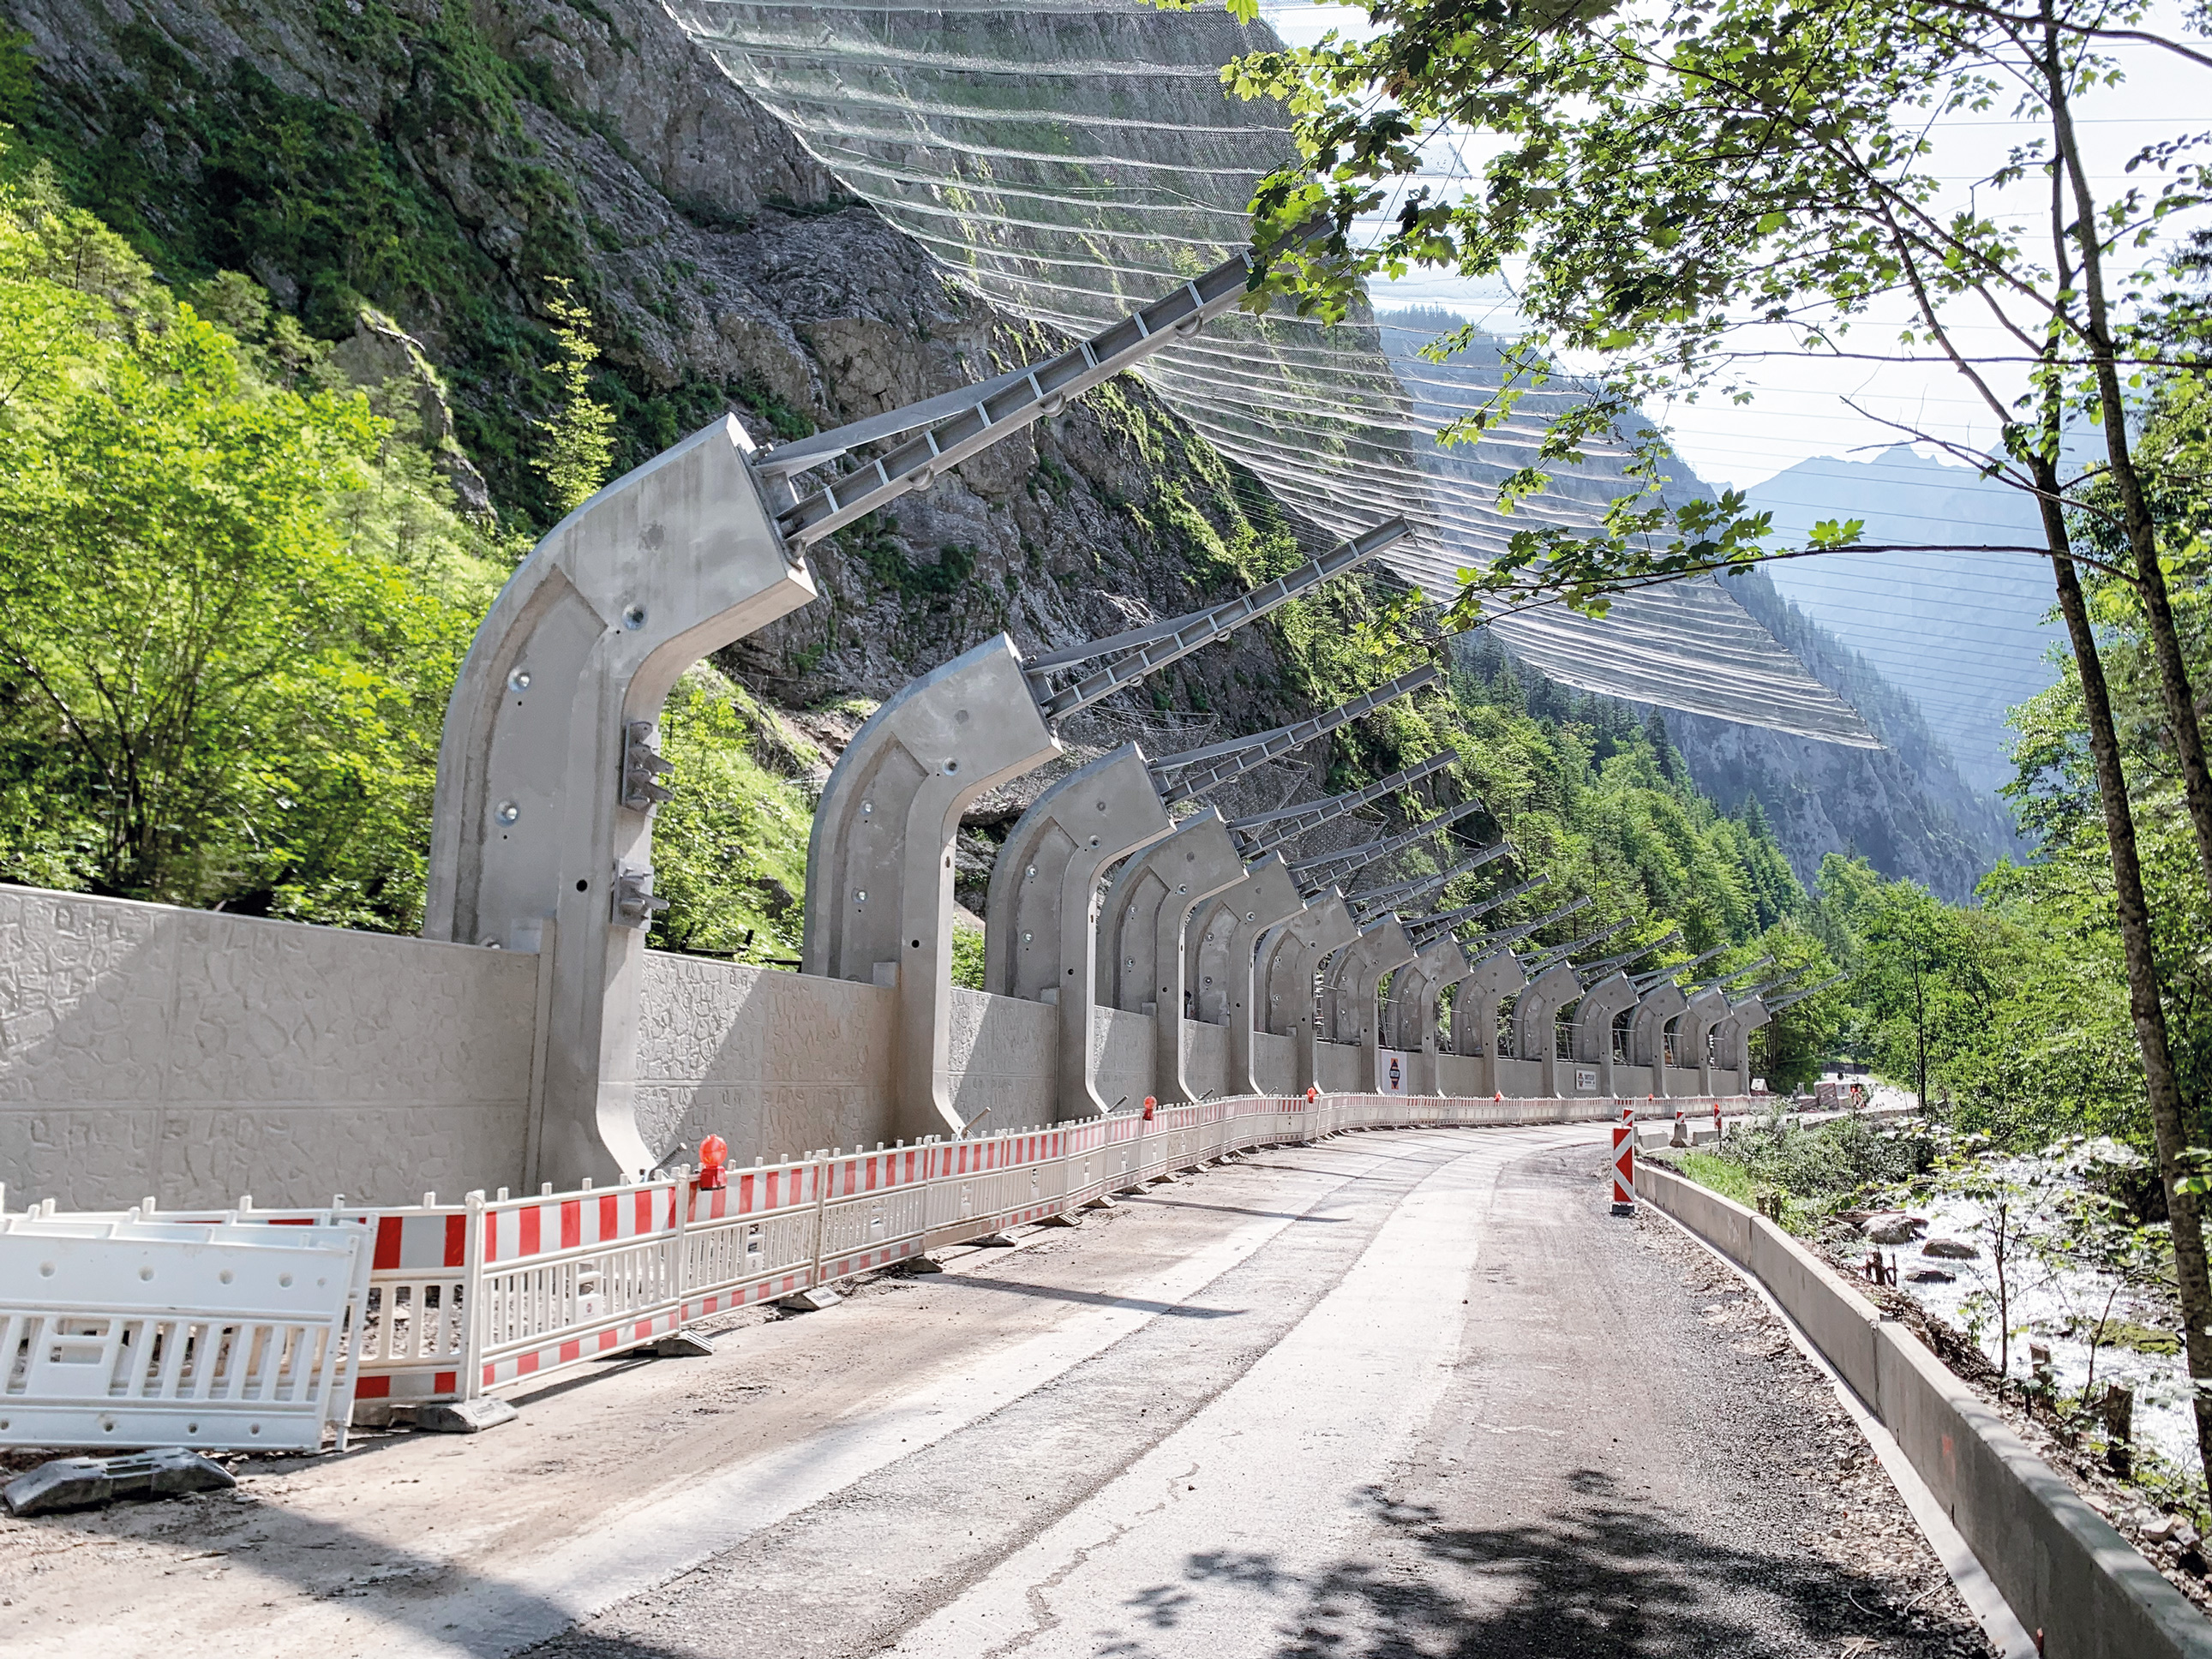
(1070, 159)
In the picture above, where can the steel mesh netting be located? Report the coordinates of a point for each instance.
(1071, 160)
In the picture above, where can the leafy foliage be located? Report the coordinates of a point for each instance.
(235, 604)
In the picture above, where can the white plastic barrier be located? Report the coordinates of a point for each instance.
(118, 1331)
(493, 1294)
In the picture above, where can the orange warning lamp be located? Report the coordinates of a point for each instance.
(1149, 1104)
(714, 1157)
(1312, 1095)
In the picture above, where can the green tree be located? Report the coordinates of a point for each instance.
(1666, 178)
(576, 442)
(224, 673)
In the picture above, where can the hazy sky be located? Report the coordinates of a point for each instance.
(1799, 410)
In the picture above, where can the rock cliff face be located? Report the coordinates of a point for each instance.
(1904, 807)
(443, 160)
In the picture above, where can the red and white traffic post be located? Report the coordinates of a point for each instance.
(1624, 1163)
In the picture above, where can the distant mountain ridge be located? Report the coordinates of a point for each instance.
(1906, 808)
(1961, 633)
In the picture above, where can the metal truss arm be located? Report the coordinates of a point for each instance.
(1269, 830)
(1491, 944)
(1041, 392)
(1313, 874)
(1414, 891)
(1208, 769)
(1142, 651)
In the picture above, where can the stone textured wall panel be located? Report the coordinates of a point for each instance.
(195, 1057)
(1122, 1044)
(778, 1064)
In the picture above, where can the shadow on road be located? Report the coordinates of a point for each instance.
(1100, 1298)
(1601, 1579)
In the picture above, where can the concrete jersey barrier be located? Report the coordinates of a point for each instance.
(2062, 1566)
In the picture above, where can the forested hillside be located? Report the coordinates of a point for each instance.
(469, 264)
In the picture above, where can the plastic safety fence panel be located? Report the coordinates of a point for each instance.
(753, 1238)
(414, 1338)
(981, 1186)
(130, 1334)
(415, 1341)
(1084, 1158)
(1122, 1147)
(875, 1211)
(567, 1279)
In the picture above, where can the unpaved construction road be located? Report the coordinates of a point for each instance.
(1400, 1393)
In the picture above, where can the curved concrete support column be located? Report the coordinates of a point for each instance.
(1140, 933)
(1224, 947)
(1041, 918)
(1732, 1038)
(879, 861)
(1706, 1010)
(1535, 1012)
(541, 832)
(1647, 1032)
(1603, 1003)
(1475, 1010)
(1289, 957)
(1414, 993)
(1351, 981)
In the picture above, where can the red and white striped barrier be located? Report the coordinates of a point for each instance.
(1624, 1163)
(493, 1294)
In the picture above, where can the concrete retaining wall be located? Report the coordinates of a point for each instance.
(1460, 1075)
(196, 1056)
(1206, 1059)
(1521, 1077)
(1005, 1057)
(2057, 1561)
(777, 1064)
(1274, 1063)
(1123, 1044)
(1341, 1068)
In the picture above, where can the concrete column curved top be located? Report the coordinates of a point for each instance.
(1703, 1011)
(1044, 886)
(534, 821)
(1222, 936)
(1041, 917)
(1420, 985)
(1475, 1003)
(1140, 924)
(1603, 1003)
(1647, 1032)
(1355, 972)
(1731, 1037)
(879, 860)
(1534, 1009)
(1289, 954)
